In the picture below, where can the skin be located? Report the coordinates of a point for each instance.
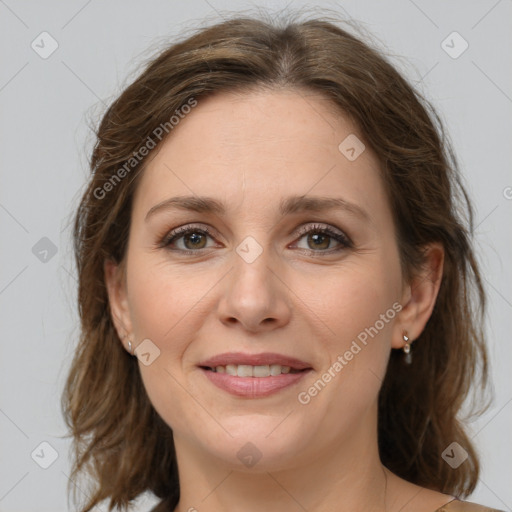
(250, 151)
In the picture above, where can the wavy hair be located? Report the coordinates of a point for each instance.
(118, 437)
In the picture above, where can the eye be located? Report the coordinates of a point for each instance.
(320, 239)
(190, 238)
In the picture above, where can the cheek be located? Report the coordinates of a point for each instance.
(360, 310)
(353, 301)
(164, 299)
(163, 306)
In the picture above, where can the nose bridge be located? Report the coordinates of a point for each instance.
(254, 295)
(252, 273)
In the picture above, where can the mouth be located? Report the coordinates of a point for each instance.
(254, 365)
(254, 375)
(247, 370)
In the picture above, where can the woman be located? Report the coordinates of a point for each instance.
(280, 304)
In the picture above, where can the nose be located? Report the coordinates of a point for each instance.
(255, 296)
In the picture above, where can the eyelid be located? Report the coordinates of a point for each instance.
(181, 230)
(322, 227)
(343, 240)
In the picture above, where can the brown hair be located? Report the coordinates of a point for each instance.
(119, 438)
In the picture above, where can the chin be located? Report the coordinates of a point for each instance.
(258, 442)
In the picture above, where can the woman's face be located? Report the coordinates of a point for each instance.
(266, 288)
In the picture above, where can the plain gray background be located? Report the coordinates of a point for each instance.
(47, 105)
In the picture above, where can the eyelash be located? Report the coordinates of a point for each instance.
(176, 234)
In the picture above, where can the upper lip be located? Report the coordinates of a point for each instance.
(255, 360)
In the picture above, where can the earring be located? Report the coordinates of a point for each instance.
(129, 346)
(407, 349)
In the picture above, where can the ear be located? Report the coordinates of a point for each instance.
(419, 296)
(115, 281)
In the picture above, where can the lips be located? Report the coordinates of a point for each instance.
(254, 375)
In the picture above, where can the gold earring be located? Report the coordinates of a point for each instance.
(407, 349)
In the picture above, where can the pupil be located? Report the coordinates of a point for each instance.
(195, 238)
(317, 237)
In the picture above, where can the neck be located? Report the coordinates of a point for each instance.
(346, 477)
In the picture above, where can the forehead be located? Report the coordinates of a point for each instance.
(262, 146)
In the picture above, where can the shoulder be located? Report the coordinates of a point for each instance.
(465, 506)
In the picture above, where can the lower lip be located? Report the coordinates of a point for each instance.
(253, 387)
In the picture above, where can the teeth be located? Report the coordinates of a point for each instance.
(275, 369)
(261, 371)
(231, 369)
(246, 370)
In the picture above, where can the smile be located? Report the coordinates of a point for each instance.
(253, 375)
(247, 370)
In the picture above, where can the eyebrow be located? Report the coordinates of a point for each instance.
(290, 205)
